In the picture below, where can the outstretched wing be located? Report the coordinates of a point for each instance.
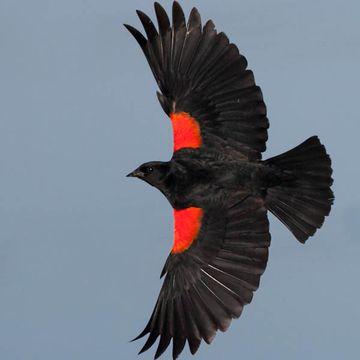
(211, 273)
(210, 96)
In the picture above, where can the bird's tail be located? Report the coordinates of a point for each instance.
(304, 198)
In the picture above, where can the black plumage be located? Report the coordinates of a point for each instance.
(216, 173)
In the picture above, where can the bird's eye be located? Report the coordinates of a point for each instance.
(148, 170)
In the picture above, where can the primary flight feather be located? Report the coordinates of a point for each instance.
(216, 182)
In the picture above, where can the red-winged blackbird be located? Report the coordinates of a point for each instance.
(218, 185)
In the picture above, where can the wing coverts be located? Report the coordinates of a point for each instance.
(187, 224)
(186, 131)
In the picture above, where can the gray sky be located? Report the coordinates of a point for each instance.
(82, 247)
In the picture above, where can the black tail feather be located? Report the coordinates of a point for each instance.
(303, 200)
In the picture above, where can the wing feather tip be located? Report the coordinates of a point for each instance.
(130, 28)
(178, 15)
(163, 345)
(194, 345)
(194, 19)
(149, 342)
(142, 334)
(139, 37)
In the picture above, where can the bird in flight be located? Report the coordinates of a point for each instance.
(216, 182)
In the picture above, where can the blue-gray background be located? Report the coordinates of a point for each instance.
(81, 246)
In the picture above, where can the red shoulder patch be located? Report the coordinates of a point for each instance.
(187, 223)
(186, 131)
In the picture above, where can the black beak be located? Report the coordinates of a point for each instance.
(136, 173)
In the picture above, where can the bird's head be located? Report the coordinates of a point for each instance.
(153, 172)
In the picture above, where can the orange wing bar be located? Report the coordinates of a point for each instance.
(187, 223)
(186, 131)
